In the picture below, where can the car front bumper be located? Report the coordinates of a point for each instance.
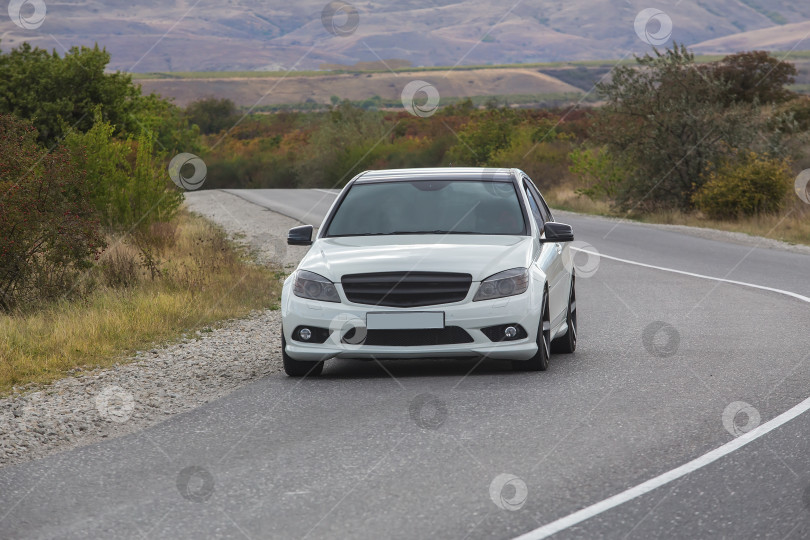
(470, 316)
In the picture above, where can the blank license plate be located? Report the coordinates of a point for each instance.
(405, 321)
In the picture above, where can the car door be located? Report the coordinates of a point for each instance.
(550, 258)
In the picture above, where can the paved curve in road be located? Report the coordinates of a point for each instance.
(350, 454)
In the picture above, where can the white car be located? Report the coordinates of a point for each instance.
(431, 263)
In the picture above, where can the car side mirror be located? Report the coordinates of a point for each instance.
(558, 232)
(300, 236)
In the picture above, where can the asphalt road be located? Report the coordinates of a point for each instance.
(362, 452)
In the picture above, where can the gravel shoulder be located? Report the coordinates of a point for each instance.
(147, 388)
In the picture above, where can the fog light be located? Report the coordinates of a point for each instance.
(510, 332)
(305, 334)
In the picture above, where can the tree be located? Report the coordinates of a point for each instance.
(59, 94)
(341, 146)
(212, 115)
(666, 121)
(754, 76)
(52, 91)
(167, 123)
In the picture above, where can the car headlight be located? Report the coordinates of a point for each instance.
(506, 283)
(315, 287)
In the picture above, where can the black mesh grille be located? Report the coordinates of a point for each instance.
(406, 289)
(415, 338)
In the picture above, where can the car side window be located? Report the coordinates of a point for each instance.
(547, 209)
(544, 210)
(538, 215)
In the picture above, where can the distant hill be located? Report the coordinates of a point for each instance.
(774, 38)
(208, 35)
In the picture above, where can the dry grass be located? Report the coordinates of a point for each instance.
(202, 279)
(565, 198)
(792, 225)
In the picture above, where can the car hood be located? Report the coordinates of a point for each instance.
(478, 255)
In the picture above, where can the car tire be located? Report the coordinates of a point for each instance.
(298, 368)
(567, 343)
(539, 362)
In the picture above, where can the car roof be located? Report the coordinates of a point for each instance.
(436, 173)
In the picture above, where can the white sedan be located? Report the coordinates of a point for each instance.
(430, 263)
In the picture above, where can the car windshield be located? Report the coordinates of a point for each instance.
(429, 207)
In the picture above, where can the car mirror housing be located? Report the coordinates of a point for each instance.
(558, 232)
(300, 236)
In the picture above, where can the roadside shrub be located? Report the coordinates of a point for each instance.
(752, 184)
(48, 229)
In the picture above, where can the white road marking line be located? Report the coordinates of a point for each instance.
(326, 191)
(701, 276)
(586, 513)
(620, 498)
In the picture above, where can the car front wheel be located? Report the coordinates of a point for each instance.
(567, 343)
(539, 362)
(298, 368)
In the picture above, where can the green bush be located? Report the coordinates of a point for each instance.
(752, 184)
(601, 171)
(126, 180)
